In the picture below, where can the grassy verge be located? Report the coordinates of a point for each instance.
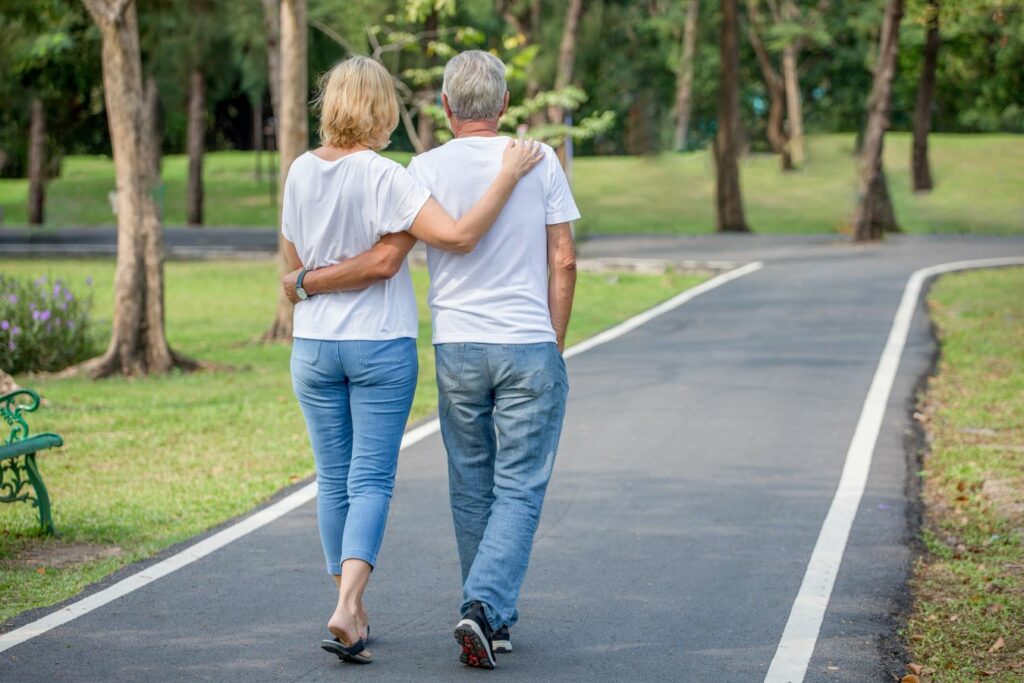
(151, 462)
(977, 189)
(968, 619)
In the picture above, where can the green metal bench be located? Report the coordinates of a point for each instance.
(18, 468)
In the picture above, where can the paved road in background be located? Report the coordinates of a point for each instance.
(700, 456)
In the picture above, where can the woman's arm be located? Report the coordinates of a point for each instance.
(380, 262)
(434, 226)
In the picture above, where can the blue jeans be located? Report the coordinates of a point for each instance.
(356, 397)
(501, 409)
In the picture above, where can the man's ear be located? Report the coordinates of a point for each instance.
(504, 106)
(447, 107)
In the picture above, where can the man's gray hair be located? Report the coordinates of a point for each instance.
(474, 82)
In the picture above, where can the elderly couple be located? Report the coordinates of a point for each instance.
(495, 215)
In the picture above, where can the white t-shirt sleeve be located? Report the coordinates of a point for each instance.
(559, 204)
(400, 199)
(289, 207)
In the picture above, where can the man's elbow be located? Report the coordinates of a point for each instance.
(565, 261)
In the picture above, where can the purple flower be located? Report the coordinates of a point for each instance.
(56, 289)
(13, 298)
(15, 331)
(11, 345)
(4, 325)
(88, 280)
(41, 316)
(40, 281)
(71, 324)
(67, 295)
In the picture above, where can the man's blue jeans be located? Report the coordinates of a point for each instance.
(356, 397)
(501, 409)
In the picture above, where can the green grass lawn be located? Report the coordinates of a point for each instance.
(969, 587)
(978, 190)
(151, 462)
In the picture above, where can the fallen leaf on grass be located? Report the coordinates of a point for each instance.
(910, 678)
(914, 669)
(997, 646)
(988, 673)
(41, 571)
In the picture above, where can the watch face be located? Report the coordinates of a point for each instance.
(301, 293)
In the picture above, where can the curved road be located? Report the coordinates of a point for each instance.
(701, 454)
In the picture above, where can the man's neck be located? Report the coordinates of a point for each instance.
(483, 128)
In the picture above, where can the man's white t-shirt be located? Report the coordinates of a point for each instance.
(498, 294)
(334, 210)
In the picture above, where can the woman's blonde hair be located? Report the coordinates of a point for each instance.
(357, 104)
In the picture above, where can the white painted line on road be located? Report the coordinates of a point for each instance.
(801, 633)
(307, 493)
(662, 308)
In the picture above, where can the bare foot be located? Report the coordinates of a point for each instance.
(348, 627)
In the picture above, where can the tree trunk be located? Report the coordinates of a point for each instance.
(684, 80)
(922, 173)
(728, 200)
(196, 137)
(272, 37)
(293, 132)
(138, 344)
(566, 64)
(794, 108)
(427, 95)
(36, 163)
(777, 139)
(874, 210)
(257, 136)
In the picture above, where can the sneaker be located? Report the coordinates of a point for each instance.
(473, 634)
(502, 641)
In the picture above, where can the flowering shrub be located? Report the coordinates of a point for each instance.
(43, 325)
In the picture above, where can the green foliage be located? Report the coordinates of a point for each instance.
(43, 326)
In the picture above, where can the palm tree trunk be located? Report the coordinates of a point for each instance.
(684, 81)
(728, 199)
(874, 215)
(922, 173)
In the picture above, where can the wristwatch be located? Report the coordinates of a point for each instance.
(299, 291)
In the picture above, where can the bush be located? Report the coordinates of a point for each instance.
(43, 326)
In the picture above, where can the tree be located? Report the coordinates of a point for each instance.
(138, 343)
(566, 64)
(196, 144)
(36, 162)
(794, 108)
(874, 214)
(684, 80)
(728, 199)
(293, 131)
(777, 138)
(921, 170)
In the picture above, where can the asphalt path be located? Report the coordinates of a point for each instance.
(700, 455)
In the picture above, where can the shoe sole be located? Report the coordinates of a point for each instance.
(475, 651)
(502, 647)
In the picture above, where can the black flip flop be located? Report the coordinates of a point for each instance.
(347, 653)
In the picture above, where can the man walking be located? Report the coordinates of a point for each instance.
(500, 315)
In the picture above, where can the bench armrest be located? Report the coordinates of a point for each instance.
(11, 409)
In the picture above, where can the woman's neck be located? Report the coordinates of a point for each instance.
(332, 153)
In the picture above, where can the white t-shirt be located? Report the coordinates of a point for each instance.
(498, 294)
(333, 210)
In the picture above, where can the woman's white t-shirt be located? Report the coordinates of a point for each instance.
(334, 210)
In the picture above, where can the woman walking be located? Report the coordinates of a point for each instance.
(354, 364)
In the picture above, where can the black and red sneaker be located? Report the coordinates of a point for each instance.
(473, 633)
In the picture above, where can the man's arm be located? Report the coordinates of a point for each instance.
(561, 278)
(380, 262)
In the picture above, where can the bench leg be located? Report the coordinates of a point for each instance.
(42, 497)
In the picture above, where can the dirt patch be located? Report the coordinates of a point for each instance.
(55, 554)
(1007, 495)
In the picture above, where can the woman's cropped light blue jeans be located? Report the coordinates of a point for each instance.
(356, 397)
